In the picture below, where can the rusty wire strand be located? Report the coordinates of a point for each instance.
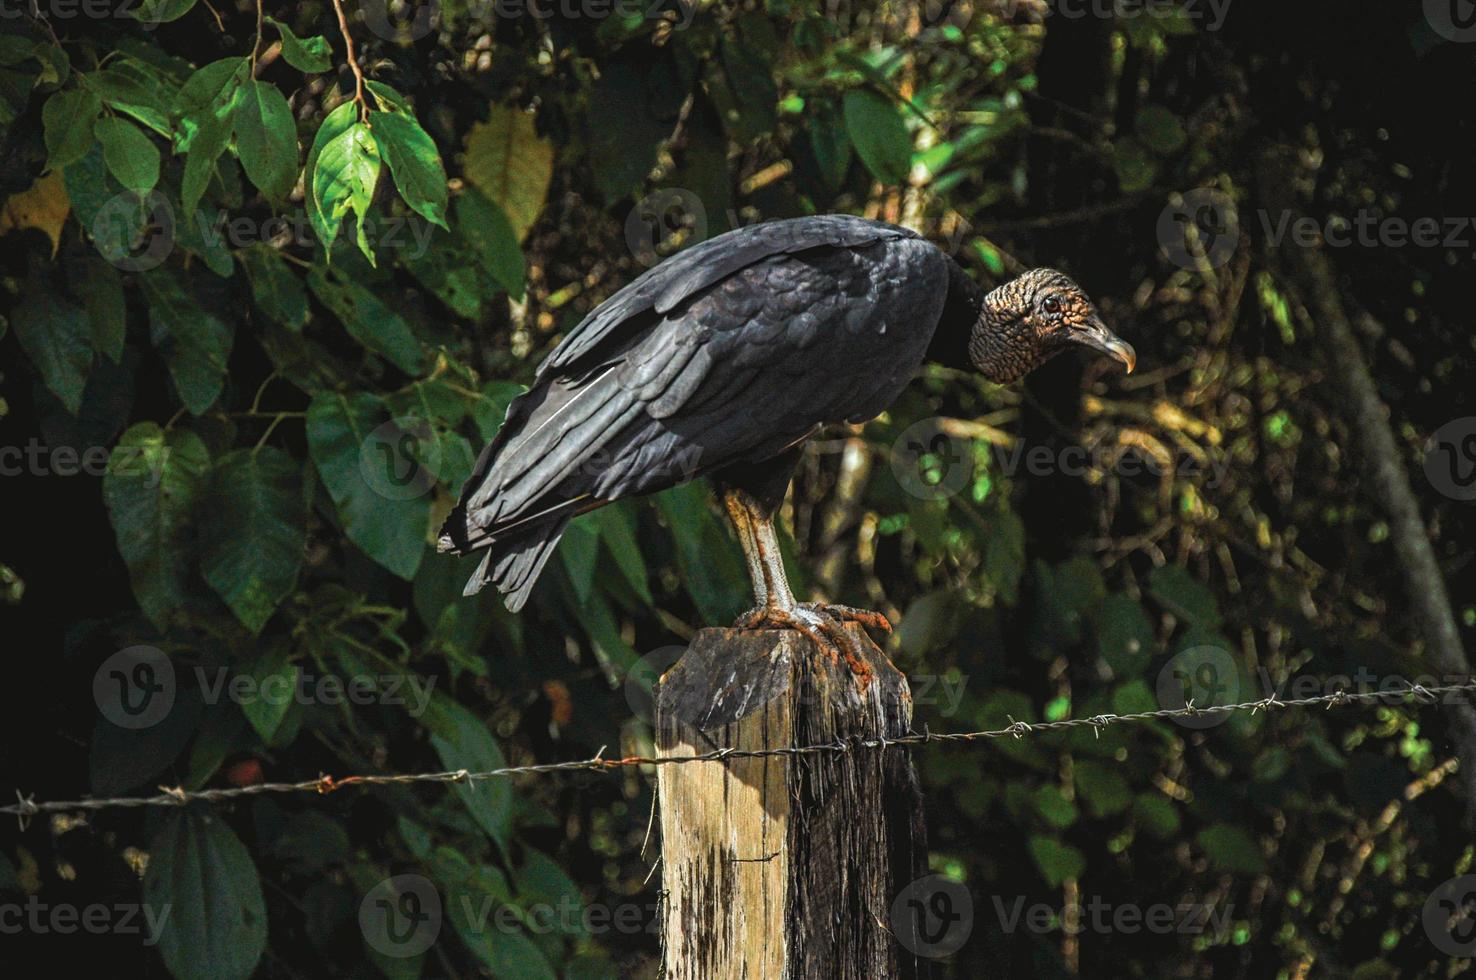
(178, 796)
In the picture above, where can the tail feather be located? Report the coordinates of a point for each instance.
(513, 564)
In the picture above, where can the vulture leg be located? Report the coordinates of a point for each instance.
(751, 496)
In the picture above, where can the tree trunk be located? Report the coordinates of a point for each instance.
(1386, 475)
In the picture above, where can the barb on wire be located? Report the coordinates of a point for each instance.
(177, 796)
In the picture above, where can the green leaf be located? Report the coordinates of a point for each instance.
(1076, 589)
(123, 759)
(508, 955)
(368, 319)
(333, 125)
(705, 554)
(257, 533)
(131, 156)
(879, 134)
(486, 229)
(1156, 815)
(508, 162)
(68, 118)
(196, 342)
(1160, 129)
(1057, 861)
(1124, 635)
(1229, 848)
(829, 147)
(152, 482)
(463, 742)
(414, 162)
(1183, 596)
(204, 235)
(209, 142)
(451, 272)
(266, 138)
(343, 180)
(277, 290)
(88, 187)
(579, 551)
(57, 336)
(201, 873)
(274, 689)
(1053, 805)
(749, 97)
(387, 98)
(1101, 787)
(15, 49)
(491, 410)
(312, 841)
(101, 290)
(617, 531)
(615, 655)
(221, 733)
(135, 89)
(310, 55)
(1133, 697)
(540, 879)
(931, 621)
(391, 530)
(154, 12)
(1004, 555)
(211, 92)
(1135, 167)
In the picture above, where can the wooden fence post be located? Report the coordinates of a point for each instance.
(785, 865)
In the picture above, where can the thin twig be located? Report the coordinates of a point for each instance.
(219, 24)
(353, 61)
(256, 44)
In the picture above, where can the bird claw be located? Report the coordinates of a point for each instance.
(780, 618)
(850, 614)
(823, 625)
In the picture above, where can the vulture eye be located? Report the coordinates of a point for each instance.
(1052, 306)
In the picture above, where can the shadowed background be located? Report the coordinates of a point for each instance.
(1240, 511)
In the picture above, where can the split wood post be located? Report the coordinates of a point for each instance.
(785, 865)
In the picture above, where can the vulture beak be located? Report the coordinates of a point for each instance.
(1096, 336)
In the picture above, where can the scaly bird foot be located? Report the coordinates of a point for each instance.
(849, 614)
(813, 627)
(823, 625)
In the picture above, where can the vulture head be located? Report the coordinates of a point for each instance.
(1031, 319)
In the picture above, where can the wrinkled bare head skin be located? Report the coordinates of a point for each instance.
(1034, 317)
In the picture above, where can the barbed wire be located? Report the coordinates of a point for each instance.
(26, 807)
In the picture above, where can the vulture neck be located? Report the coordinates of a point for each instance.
(956, 327)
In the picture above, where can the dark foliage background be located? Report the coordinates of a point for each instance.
(263, 519)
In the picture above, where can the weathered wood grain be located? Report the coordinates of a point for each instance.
(784, 866)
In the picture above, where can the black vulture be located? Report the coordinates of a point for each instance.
(723, 360)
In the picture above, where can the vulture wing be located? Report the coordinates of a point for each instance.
(732, 351)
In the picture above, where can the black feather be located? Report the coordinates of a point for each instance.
(731, 351)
